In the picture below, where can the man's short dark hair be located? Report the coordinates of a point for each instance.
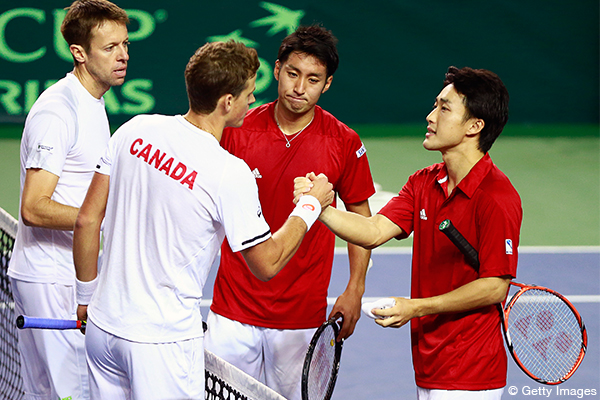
(485, 97)
(313, 40)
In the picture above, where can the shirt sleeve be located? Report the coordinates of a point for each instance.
(356, 182)
(240, 209)
(400, 209)
(50, 137)
(498, 241)
(105, 162)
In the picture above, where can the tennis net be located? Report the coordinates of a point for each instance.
(11, 386)
(223, 380)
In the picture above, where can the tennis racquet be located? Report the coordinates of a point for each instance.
(544, 332)
(24, 322)
(322, 362)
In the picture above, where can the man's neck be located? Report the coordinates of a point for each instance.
(290, 123)
(208, 123)
(459, 164)
(89, 83)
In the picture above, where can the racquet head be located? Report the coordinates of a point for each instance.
(322, 362)
(544, 333)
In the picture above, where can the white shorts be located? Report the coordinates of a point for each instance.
(122, 369)
(53, 362)
(436, 394)
(273, 356)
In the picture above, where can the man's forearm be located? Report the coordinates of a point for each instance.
(47, 213)
(358, 258)
(352, 227)
(86, 246)
(479, 293)
(266, 259)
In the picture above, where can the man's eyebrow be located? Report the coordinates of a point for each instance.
(296, 69)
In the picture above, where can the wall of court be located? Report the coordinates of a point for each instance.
(393, 53)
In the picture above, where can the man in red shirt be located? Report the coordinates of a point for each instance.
(455, 327)
(264, 328)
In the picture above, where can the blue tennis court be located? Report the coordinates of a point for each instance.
(376, 362)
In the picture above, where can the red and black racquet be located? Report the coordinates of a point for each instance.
(544, 332)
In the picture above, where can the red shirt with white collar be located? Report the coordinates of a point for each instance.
(458, 351)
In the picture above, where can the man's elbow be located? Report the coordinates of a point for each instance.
(262, 272)
(259, 269)
(263, 262)
(371, 245)
(498, 293)
(371, 242)
(497, 297)
(28, 216)
(84, 221)
(263, 276)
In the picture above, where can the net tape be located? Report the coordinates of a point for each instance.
(223, 380)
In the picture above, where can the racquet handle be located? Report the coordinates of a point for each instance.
(459, 241)
(24, 322)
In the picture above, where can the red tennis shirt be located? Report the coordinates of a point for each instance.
(458, 351)
(296, 298)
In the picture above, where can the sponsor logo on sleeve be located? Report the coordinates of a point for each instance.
(360, 152)
(509, 246)
(44, 147)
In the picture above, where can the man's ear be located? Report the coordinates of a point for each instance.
(226, 101)
(78, 53)
(476, 126)
(327, 84)
(277, 70)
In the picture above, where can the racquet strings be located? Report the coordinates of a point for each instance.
(546, 335)
(322, 364)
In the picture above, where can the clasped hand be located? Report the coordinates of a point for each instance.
(315, 185)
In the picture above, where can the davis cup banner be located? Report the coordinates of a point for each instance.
(393, 53)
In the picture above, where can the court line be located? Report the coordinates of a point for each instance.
(592, 298)
(522, 249)
(576, 299)
(408, 250)
(205, 303)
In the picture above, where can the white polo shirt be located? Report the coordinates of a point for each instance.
(65, 133)
(175, 193)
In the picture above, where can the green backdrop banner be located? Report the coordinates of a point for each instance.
(393, 53)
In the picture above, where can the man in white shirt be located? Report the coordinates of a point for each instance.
(64, 135)
(169, 194)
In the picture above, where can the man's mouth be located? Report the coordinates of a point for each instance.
(121, 72)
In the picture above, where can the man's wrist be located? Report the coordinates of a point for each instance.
(308, 208)
(85, 290)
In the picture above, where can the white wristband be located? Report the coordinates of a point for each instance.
(85, 290)
(309, 209)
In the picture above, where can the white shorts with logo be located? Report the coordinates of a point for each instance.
(272, 356)
(53, 364)
(436, 394)
(121, 369)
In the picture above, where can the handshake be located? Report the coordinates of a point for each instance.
(314, 185)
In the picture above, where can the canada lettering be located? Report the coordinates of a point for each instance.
(155, 159)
